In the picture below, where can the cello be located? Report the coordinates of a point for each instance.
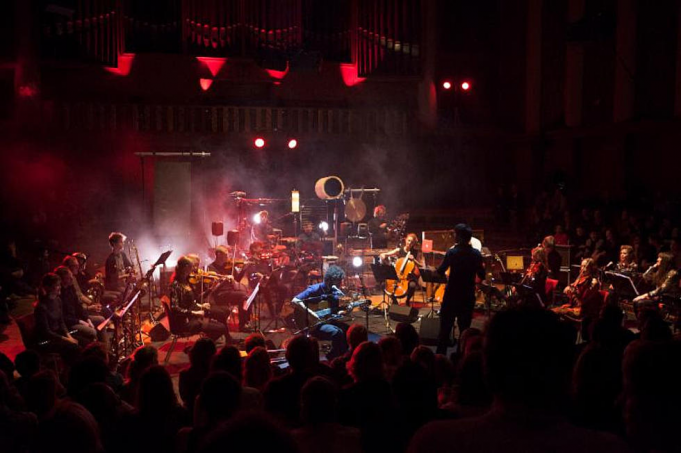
(404, 267)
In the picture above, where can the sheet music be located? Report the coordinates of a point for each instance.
(249, 301)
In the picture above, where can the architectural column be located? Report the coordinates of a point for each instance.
(533, 46)
(625, 61)
(574, 69)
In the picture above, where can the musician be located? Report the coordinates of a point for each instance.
(585, 296)
(409, 248)
(378, 228)
(227, 291)
(262, 230)
(627, 261)
(118, 265)
(537, 272)
(464, 264)
(51, 332)
(665, 278)
(75, 316)
(185, 310)
(309, 240)
(328, 290)
(553, 258)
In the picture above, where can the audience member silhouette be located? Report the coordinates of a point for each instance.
(190, 380)
(257, 369)
(69, 427)
(528, 363)
(408, 336)
(320, 430)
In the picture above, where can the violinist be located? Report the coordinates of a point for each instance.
(187, 312)
(408, 251)
(227, 291)
(584, 295)
(536, 273)
(118, 265)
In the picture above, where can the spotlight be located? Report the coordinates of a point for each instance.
(324, 226)
(292, 143)
(259, 142)
(357, 261)
(447, 85)
(465, 86)
(256, 218)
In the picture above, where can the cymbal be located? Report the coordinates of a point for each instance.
(279, 248)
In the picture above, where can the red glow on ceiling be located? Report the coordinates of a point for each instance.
(277, 74)
(205, 83)
(124, 65)
(213, 64)
(349, 73)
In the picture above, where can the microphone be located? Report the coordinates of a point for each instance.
(336, 289)
(609, 265)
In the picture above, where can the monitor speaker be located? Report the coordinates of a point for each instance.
(401, 313)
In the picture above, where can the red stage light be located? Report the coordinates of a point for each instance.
(124, 65)
(447, 85)
(292, 143)
(205, 84)
(213, 64)
(349, 73)
(465, 86)
(259, 142)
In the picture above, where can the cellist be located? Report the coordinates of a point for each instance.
(409, 259)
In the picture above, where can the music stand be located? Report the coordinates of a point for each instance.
(623, 285)
(161, 261)
(432, 276)
(383, 272)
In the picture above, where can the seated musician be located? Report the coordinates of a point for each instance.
(79, 279)
(665, 278)
(118, 265)
(378, 227)
(227, 291)
(262, 229)
(187, 312)
(325, 291)
(410, 248)
(535, 276)
(553, 258)
(75, 316)
(627, 261)
(51, 332)
(309, 241)
(584, 294)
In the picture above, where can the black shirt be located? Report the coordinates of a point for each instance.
(464, 263)
(49, 322)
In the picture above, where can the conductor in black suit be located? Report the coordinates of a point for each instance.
(464, 264)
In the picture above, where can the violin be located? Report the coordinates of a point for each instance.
(206, 277)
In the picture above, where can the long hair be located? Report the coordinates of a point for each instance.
(587, 267)
(666, 265)
(539, 255)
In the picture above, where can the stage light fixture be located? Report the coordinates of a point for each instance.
(292, 143)
(256, 218)
(295, 201)
(357, 261)
(259, 142)
(447, 85)
(465, 86)
(324, 226)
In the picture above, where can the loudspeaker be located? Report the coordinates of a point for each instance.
(401, 313)
(159, 333)
(232, 237)
(430, 331)
(217, 229)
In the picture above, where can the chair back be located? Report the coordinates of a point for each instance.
(172, 323)
(550, 287)
(26, 326)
